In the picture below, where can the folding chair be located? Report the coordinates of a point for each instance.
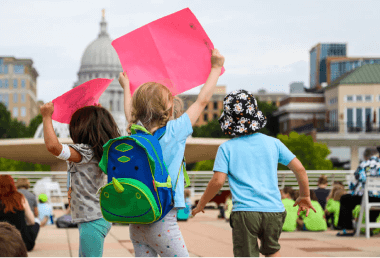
(372, 184)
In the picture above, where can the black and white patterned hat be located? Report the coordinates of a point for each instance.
(241, 115)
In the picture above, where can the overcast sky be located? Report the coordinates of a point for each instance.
(266, 43)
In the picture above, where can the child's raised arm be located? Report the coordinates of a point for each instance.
(195, 110)
(51, 140)
(124, 82)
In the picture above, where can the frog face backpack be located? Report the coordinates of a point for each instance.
(139, 189)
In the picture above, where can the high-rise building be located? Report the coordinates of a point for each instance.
(18, 87)
(318, 61)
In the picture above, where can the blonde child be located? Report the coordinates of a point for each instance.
(287, 195)
(90, 128)
(153, 105)
(228, 208)
(315, 221)
(329, 202)
(250, 161)
(333, 206)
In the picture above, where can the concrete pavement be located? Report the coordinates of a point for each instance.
(205, 235)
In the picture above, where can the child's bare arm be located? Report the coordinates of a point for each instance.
(303, 201)
(195, 110)
(51, 140)
(124, 82)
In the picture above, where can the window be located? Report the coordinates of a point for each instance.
(206, 107)
(23, 84)
(15, 83)
(215, 116)
(18, 69)
(111, 105)
(285, 126)
(368, 98)
(205, 117)
(333, 101)
(359, 98)
(359, 117)
(23, 98)
(6, 100)
(15, 98)
(1, 84)
(23, 112)
(5, 69)
(6, 84)
(15, 112)
(215, 105)
(350, 98)
(1, 98)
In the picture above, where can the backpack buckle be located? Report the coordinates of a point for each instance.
(154, 186)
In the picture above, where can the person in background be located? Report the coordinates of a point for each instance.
(228, 208)
(290, 223)
(45, 210)
(11, 243)
(370, 167)
(15, 209)
(315, 221)
(333, 207)
(330, 199)
(322, 192)
(23, 186)
(183, 214)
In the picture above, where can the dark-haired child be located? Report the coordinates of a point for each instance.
(90, 128)
(315, 221)
(250, 161)
(287, 195)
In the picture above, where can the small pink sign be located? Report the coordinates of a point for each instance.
(174, 51)
(86, 94)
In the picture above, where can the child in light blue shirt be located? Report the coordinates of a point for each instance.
(250, 161)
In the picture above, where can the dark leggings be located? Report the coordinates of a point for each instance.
(31, 235)
(347, 205)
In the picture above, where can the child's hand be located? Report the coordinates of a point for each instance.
(47, 109)
(304, 203)
(124, 80)
(197, 210)
(217, 60)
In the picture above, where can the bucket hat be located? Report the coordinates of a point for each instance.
(241, 115)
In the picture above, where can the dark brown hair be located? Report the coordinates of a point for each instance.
(288, 190)
(322, 180)
(11, 243)
(94, 126)
(296, 194)
(338, 194)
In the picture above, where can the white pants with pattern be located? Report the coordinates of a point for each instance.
(162, 238)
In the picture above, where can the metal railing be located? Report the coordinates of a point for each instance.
(350, 127)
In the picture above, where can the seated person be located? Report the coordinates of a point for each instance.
(23, 186)
(228, 208)
(11, 243)
(322, 192)
(290, 223)
(330, 200)
(183, 214)
(45, 210)
(333, 207)
(314, 221)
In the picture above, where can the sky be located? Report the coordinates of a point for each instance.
(265, 43)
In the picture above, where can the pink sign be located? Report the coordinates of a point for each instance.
(86, 94)
(174, 51)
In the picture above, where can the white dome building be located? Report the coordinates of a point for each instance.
(99, 60)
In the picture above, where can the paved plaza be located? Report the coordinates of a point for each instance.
(205, 235)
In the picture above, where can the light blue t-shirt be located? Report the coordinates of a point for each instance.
(173, 145)
(44, 210)
(251, 165)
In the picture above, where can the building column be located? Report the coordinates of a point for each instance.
(354, 157)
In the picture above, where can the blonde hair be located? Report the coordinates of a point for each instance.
(187, 193)
(334, 190)
(22, 182)
(338, 194)
(154, 105)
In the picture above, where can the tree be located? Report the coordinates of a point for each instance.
(204, 165)
(311, 154)
(11, 128)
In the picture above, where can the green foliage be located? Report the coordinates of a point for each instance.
(204, 165)
(11, 128)
(210, 130)
(311, 154)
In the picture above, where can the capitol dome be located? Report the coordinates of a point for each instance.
(99, 60)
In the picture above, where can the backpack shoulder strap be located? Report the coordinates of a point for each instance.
(160, 132)
(135, 128)
(187, 179)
